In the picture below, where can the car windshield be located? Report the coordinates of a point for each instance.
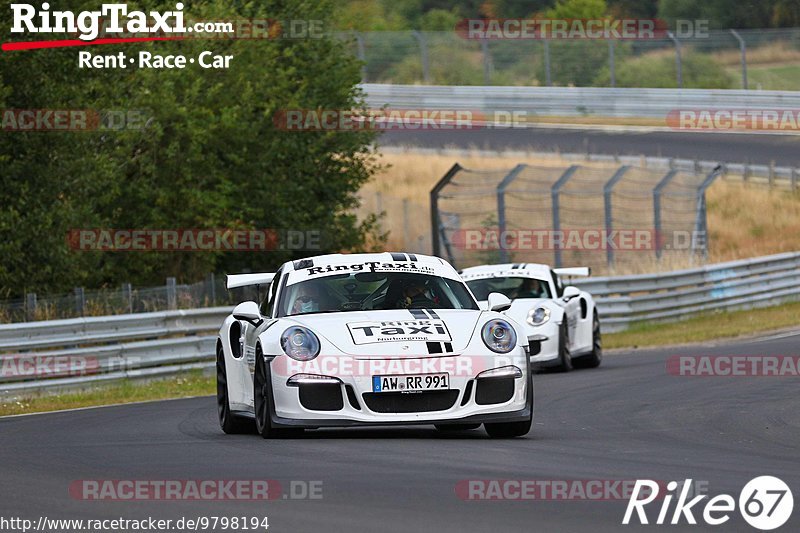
(511, 286)
(373, 291)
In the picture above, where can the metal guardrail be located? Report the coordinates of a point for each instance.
(574, 101)
(665, 296)
(64, 354)
(149, 345)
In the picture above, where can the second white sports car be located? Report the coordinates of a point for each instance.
(562, 324)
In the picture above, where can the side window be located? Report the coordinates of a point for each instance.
(559, 286)
(266, 305)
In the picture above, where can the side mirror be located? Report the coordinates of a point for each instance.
(498, 302)
(570, 292)
(248, 311)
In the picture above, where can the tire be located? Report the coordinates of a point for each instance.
(564, 357)
(509, 430)
(595, 357)
(229, 422)
(451, 428)
(262, 403)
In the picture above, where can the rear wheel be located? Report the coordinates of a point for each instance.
(564, 357)
(262, 402)
(595, 357)
(229, 422)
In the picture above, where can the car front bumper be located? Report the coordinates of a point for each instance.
(347, 398)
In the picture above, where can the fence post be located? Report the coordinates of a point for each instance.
(678, 62)
(607, 188)
(743, 50)
(657, 208)
(172, 294)
(555, 191)
(436, 224)
(771, 174)
(80, 301)
(406, 229)
(362, 55)
(487, 61)
(794, 179)
(212, 288)
(30, 306)
(611, 64)
(423, 52)
(548, 79)
(701, 218)
(127, 296)
(501, 208)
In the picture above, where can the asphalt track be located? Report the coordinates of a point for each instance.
(784, 150)
(628, 419)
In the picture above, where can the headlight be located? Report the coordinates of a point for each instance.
(300, 343)
(538, 316)
(499, 336)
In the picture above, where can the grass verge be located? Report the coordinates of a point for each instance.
(191, 384)
(708, 327)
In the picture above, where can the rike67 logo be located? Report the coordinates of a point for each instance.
(765, 503)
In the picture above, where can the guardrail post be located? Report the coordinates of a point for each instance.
(127, 296)
(607, 189)
(172, 294)
(501, 208)
(423, 52)
(678, 61)
(555, 192)
(547, 77)
(657, 208)
(30, 306)
(611, 64)
(80, 301)
(436, 223)
(743, 51)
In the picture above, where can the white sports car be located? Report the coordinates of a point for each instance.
(370, 339)
(561, 322)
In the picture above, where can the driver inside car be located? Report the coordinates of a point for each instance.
(307, 299)
(529, 288)
(416, 295)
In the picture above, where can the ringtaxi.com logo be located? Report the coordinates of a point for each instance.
(765, 503)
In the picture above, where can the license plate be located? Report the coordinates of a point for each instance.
(411, 382)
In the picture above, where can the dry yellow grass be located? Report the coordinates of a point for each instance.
(744, 219)
(769, 54)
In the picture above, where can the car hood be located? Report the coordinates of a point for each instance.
(397, 332)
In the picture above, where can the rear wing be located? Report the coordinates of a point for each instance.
(245, 280)
(574, 271)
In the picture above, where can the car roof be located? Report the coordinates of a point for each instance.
(310, 267)
(522, 270)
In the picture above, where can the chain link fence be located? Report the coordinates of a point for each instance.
(571, 215)
(726, 59)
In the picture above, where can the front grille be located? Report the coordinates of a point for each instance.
(494, 390)
(321, 396)
(405, 402)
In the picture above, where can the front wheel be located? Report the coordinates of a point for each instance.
(262, 402)
(229, 422)
(595, 357)
(564, 357)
